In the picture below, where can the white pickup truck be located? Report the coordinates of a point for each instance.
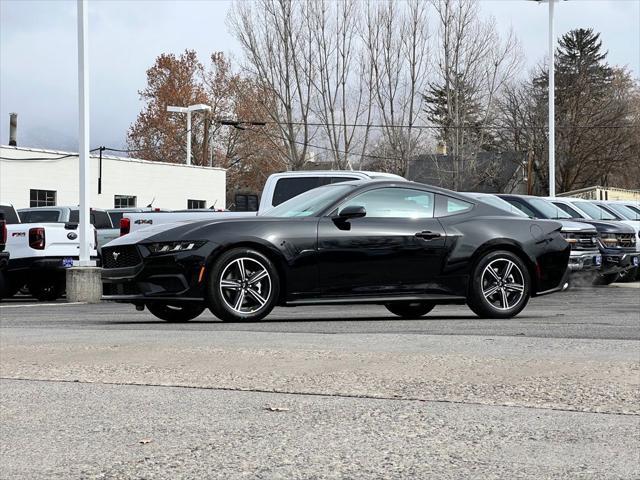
(278, 188)
(39, 255)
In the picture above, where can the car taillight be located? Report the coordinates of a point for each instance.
(125, 226)
(36, 238)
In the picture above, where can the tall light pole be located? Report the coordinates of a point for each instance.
(83, 113)
(552, 101)
(552, 105)
(188, 110)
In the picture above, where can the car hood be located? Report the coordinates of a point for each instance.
(607, 227)
(187, 229)
(572, 226)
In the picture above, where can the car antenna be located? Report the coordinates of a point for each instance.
(151, 204)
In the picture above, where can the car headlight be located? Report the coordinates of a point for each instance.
(609, 239)
(569, 237)
(161, 248)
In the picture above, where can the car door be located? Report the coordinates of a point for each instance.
(397, 247)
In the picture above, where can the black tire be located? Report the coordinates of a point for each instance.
(239, 298)
(410, 309)
(176, 312)
(630, 275)
(607, 279)
(47, 289)
(513, 286)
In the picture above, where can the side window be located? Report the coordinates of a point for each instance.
(457, 206)
(100, 219)
(328, 180)
(567, 209)
(287, 188)
(522, 206)
(395, 203)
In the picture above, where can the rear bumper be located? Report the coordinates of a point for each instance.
(41, 263)
(563, 285)
(4, 260)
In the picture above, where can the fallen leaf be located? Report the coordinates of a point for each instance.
(277, 409)
(146, 440)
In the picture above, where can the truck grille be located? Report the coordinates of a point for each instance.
(626, 240)
(583, 241)
(120, 257)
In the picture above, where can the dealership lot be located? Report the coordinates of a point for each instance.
(104, 391)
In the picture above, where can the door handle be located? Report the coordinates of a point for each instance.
(428, 235)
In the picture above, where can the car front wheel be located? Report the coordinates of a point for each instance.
(500, 286)
(410, 309)
(175, 312)
(243, 286)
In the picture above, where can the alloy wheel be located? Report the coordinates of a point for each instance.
(503, 284)
(245, 285)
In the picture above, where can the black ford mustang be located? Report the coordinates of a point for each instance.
(404, 245)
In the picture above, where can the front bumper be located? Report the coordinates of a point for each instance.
(178, 276)
(618, 262)
(584, 261)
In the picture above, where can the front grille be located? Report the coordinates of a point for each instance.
(626, 240)
(120, 257)
(584, 241)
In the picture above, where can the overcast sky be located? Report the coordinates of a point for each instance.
(38, 56)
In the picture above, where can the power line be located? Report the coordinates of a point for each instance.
(433, 127)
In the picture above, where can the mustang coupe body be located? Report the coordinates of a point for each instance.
(401, 244)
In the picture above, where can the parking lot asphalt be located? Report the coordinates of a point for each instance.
(104, 391)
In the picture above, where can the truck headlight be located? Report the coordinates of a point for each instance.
(161, 248)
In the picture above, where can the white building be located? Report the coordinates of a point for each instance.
(36, 177)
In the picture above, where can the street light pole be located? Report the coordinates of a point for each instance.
(552, 105)
(188, 110)
(83, 156)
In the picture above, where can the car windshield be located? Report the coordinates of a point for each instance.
(595, 212)
(548, 209)
(501, 204)
(624, 211)
(309, 203)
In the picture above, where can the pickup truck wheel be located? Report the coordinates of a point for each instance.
(243, 286)
(607, 279)
(630, 275)
(175, 312)
(500, 286)
(47, 290)
(410, 309)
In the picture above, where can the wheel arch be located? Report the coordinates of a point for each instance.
(509, 246)
(267, 250)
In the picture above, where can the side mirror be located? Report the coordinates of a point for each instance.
(351, 211)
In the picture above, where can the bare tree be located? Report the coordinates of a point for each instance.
(396, 44)
(275, 36)
(472, 64)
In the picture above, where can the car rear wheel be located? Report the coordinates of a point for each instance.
(175, 312)
(243, 286)
(410, 309)
(500, 286)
